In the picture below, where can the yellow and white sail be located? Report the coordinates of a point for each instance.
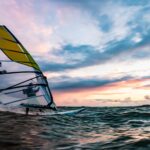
(16, 81)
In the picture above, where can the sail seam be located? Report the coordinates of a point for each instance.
(13, 51)
(9, 40)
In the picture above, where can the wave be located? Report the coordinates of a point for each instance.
(94, 128)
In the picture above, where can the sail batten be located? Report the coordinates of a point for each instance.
(17, 72)
(11, 50)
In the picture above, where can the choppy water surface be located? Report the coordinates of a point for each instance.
(94, 128)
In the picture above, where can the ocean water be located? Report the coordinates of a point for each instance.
(93, 129)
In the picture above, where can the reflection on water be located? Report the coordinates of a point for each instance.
(17, 131)
(94, 128)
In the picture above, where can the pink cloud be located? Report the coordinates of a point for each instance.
(116, 92)
(24, 23)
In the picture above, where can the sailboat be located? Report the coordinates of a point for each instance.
(23, 86)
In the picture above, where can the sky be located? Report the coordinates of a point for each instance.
(93, 52)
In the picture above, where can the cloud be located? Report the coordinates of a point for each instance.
(127, 83)
(25, 26)
(89, 24)
(125, 100)
(72, 36)
(67, 83)
(147, 97)
(85, 55)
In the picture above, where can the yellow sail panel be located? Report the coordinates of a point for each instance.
(19, 57)
(14, 50)
(31, 65)
(4, 44)
(4, 34)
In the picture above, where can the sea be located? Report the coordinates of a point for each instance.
(95, 128)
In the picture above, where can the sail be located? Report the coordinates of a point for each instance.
(23, 82)
(14, 50)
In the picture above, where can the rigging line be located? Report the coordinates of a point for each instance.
(25, 81)
(22, 99)
(15, 72)
(21, 82)
(10, 88)
(13, 92)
